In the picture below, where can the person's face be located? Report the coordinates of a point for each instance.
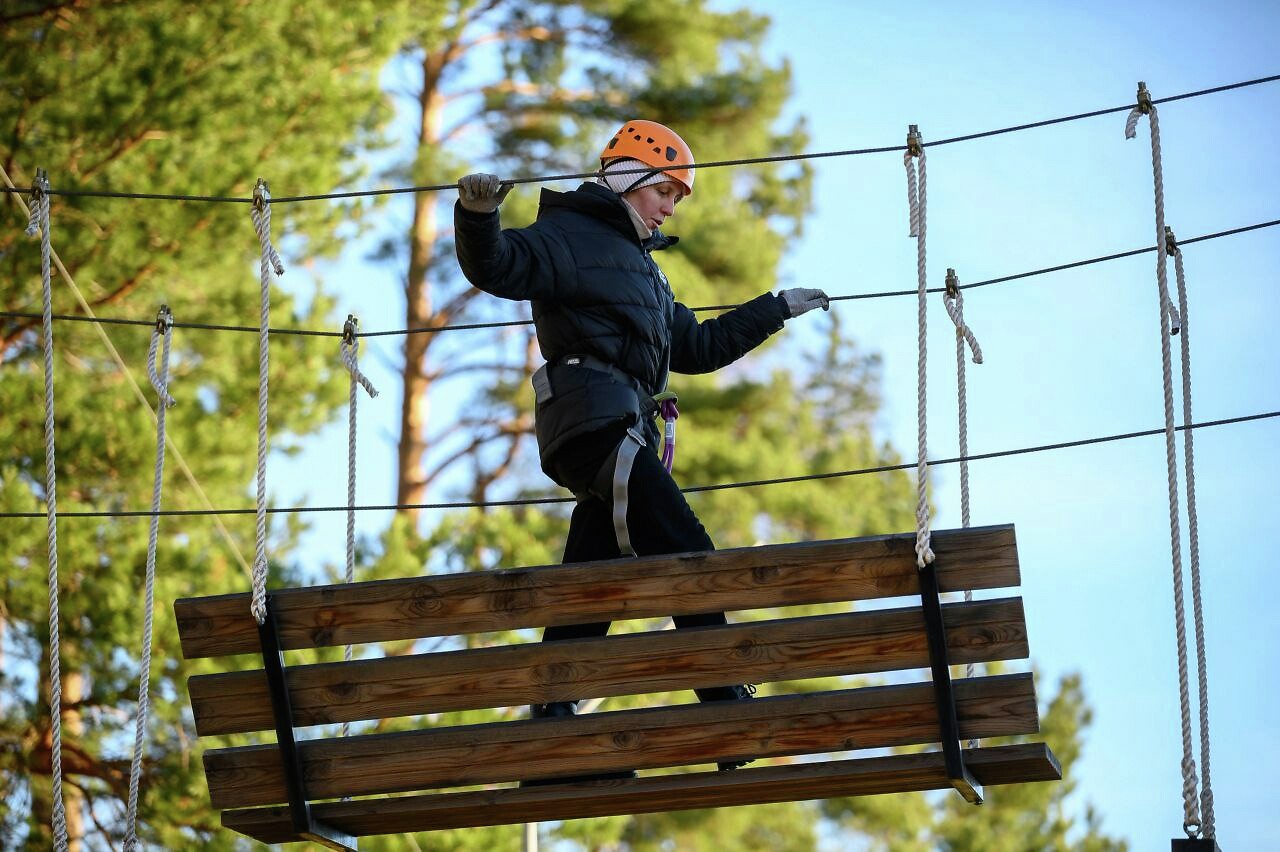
(656, 203)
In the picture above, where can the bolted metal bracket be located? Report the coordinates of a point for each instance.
(943, 692)
(299, 809)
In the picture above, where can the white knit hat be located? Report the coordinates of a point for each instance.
(633, 177)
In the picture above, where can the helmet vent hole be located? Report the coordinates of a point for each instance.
(657, 150)
(671, 154)
(650, 140)
(637, 137)
(613, 143)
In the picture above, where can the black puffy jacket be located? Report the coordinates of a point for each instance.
(596, 291)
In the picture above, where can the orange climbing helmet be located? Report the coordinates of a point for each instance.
(654, 145)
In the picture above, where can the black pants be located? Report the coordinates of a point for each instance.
(659, 521)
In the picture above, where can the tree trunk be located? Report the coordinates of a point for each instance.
(73, 731)
(415, 405)
(40, 822)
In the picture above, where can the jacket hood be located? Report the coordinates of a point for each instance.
(602, 203)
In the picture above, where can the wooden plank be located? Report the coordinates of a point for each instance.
(1008, 764)
(743, 578)
(754, 652)
(778, 726)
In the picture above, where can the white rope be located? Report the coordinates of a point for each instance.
(1193, 526)
(38, 223)
(917, 204)
(159, 381)
(349, 349)
(260, 210)
(1191, 818)
(953, 300)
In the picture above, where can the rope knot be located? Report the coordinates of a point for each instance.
(953, 300)
(39, 202)
(163, 330)
(348, 349)
(261, 213)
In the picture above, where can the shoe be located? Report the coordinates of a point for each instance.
(554, 710)
(580, 779)
(729, 693)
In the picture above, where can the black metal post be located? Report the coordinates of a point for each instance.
(944, 694)
(299, 809)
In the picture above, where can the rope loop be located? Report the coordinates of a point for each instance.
(260, 211)
(163, 331)
(349, 348)
(38, 224)
(1174, 321)
(914, 150)
(37, 209)
(917, 202)
(953, 300)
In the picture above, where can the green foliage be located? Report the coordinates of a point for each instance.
(157, 96)
(161, 96)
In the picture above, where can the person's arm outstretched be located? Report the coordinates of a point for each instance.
(701, 347)
(516, 263)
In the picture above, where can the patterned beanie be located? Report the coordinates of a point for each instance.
(632, 177)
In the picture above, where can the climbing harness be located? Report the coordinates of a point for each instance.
(38, 224)
(163, 331)
(260, 210)
(1198, 817)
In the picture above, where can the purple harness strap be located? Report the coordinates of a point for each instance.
(667, 408)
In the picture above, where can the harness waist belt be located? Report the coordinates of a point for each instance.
(593, 363)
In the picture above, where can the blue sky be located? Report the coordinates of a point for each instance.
(1069, 355)
(1076, 354)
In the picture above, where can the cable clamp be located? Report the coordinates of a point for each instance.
(1170, 241)
(261, 194)
(164, 320)
(1144, 99)
(914, 146)
(953, 284)
(40, 185)
(350, 329)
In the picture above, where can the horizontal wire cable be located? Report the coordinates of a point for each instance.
(776, 158)
(537, 501)
(510, 323)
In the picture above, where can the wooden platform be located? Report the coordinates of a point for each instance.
(663, 743)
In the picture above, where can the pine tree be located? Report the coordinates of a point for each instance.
(155, 96)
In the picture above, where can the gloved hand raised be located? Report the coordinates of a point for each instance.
(801, 299)
(482, 193)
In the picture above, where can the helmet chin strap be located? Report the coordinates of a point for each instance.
(644, 177)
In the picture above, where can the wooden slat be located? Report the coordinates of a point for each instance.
(754, 652)
(743, 578)
(752, 786)
(779, 726)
